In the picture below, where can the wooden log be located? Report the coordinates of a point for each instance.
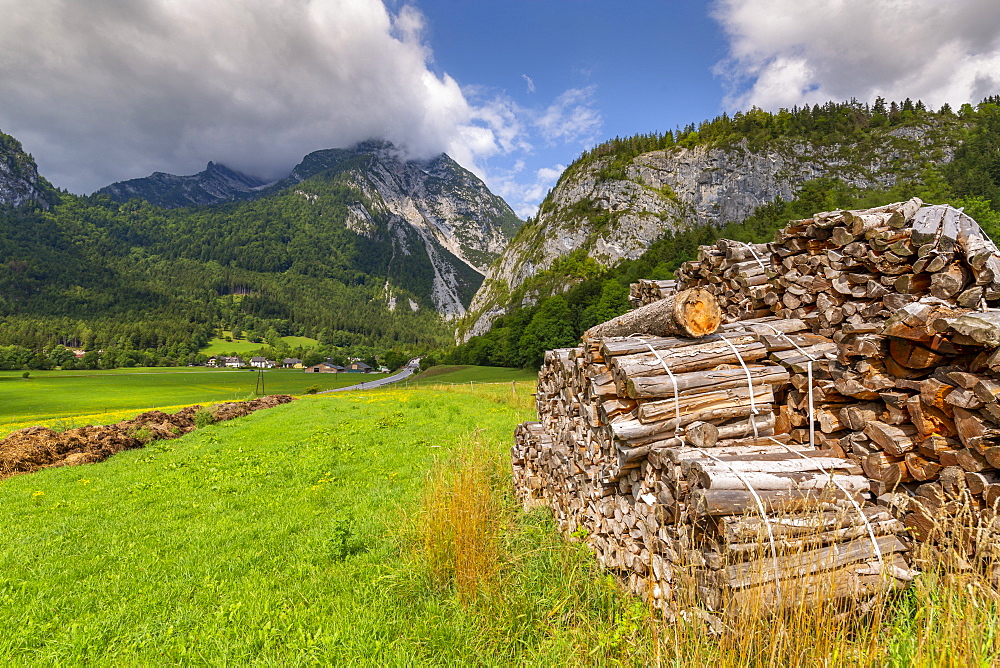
(707, 403)
(983, 328)
(724, 479)
(926, 224)
(707, 502)
(693, 313)
(645, 387)
(822, 559)
(894, 440)
(856, 581)
(813, 539)
(737, 529)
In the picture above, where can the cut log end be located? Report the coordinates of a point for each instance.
(694, 313)
(697, 312)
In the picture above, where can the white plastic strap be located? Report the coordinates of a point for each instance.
(850, 497)
(678, 432)
(753, 404)
(763, 515)
(755, 256)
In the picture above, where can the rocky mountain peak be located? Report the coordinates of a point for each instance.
(19, 180)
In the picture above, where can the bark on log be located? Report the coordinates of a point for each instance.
(693, 313)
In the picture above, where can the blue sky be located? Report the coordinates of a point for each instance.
(105, 90)
(637, 67)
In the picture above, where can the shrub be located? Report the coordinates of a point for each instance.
(203, 418)
(142, 434)
(26, 374)
(313, 389)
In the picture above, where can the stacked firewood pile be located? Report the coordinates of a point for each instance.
(811, 534)
(853, 388)
(648, 461)
(646, 291)
(736, 273)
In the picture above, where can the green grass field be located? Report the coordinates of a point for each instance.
(377, 528)
(269, 540)
(219, 346)
(452, 374)
(69, 398)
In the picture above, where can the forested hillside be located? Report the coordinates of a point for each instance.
(550, 308)
(328, 256)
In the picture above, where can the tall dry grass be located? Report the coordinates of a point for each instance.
(461, 521)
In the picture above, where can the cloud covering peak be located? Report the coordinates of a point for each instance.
(102, 90)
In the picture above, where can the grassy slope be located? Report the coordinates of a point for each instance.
(66, 398)
(477, 374)
(219, 346)
(234, 544)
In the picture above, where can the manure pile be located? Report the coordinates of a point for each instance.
(846, 409)
(34, 448)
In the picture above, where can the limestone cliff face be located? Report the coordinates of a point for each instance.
(613, 218)
(433, 207)
(19, 180)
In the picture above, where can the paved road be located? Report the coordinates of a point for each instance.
(411, 368)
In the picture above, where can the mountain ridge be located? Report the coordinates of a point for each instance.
(611, 208)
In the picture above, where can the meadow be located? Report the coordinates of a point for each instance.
(379, 528)
(219, 346)
(61, 399)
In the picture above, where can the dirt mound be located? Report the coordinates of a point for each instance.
(235, 409)
(34, 448)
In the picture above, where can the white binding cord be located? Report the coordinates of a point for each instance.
(753, 404)
(755, 256)
(760, 508)
(850, 497)
(678, 432)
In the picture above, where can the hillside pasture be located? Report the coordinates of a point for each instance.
(219, 346)
(61, 399)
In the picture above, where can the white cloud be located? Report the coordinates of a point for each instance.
(572, 118)
(531, 83)
(524, 195)
(101, 90)
(787, 52)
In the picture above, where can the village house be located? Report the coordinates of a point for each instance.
(358, 367)
(231, 362)
(261, 363)
(291, 363)
(324, 367)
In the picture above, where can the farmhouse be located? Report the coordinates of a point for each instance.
(324, 367)
(291, 363)
(262, 363)
(231, 362)
(358, 367)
